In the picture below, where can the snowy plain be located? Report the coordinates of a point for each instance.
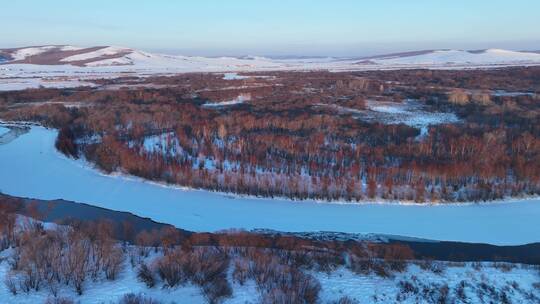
(374, 289)
(517, 283)
(16, 84)
(31, 167)
(126, 61)
(104, 291)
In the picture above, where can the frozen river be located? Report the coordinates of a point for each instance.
(3, 130)
(31, 167)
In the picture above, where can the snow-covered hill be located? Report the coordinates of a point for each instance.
(459, 57)
(62, 66)
(109, 56)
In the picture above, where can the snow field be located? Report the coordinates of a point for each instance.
(374, 289)
(34, 83)
(106, 51)
(143, 64)
(32, 51)
(483, 282)
(490, 56)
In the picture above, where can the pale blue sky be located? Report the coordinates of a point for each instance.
(272, 27)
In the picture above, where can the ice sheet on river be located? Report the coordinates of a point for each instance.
(31, 167)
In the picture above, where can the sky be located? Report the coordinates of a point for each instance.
(274, 27)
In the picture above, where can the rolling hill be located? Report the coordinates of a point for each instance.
(111, 56)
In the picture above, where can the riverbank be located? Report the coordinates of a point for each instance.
(32, 167)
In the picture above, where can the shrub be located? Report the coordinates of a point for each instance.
(11, 284)
(132, 298)
(207, 264)
(366, 266)
(217, 290)
(460, 291)
(170, 269)
(45, 259)
(382, 269)
(200, 266)
(346, 300)
(407, 287)
(241, 271)
(443, 294)
(61, 300)
(504, 267)
(281, 283)
(112, 262)
(433, 266)
(145, 275)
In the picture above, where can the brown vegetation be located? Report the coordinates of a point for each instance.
(283, 143)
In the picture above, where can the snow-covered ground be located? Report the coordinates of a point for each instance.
(375, 289)
(111, 50)
(15, 84)
(231, 102)
(233, 76)
(408, 112)
(112, 62)
(159, 144)
(22, 54)
(31, 167)
(483, 283)
(238, 100)
(105, 291)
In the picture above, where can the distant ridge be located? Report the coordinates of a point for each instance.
(117, 57)
(398, 55)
